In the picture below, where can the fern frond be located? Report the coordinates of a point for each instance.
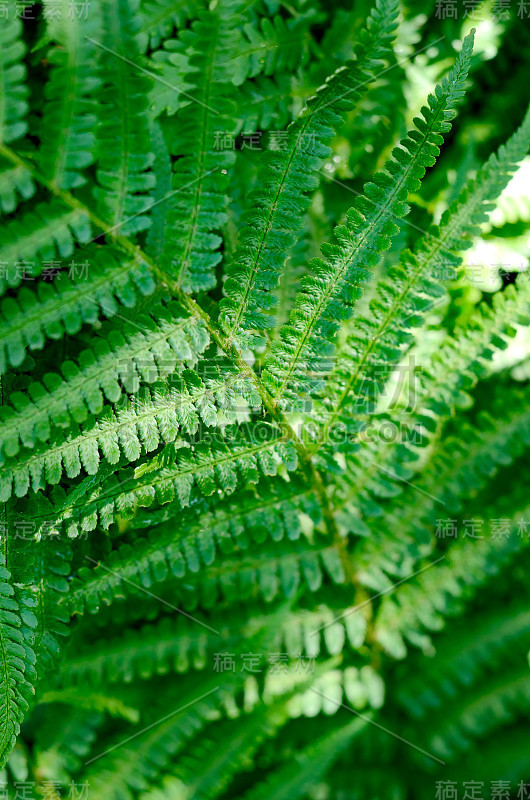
(80, 698)
(64, 740)
(213, 759)
(437, 593)
(60, 307)
(162, 169)
(469, 353)
(274, 45)
(172, 89)
(454, 475)
(500, 640)
(170, 645)
(145, 349)
(272, 223)
(135, 764)
(329, 689)
(50, 229)
(69, 119)
(454, 471)
(17, 660)
(180, 644)
(13, 89)
(303, 355)
(443, 385)
(15, 182)
(272, 512)
(177, 501)
(123, 142)
(296, 777)
(319, 631)
(261, 103)
(215, 464)
(159, 18)
(131, 429)
(498, 701)
(279, 569)
(377, 339)
(209, 537)
(198, 207)
(499, 758)
(42, 568)
(489, 447)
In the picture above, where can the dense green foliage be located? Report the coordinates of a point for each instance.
(265, 411)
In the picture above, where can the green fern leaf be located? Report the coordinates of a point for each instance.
(436, 593)
(411, 289)
(500, 638)
(14, 92)
(48, 230)
(277, 205)
(295, 778)
(68, 121)
(211, 536)
(261, 103)
(146, 349)
(18, 659)
(218, 757)
(123, 140)
(130, 430)
(215, 464)
(15, 182)
(60, 307)
(275, 45)
(162, 190)
(297, 361)
(198, 205)
(177, 501)
(153, 747)
(159, 18)
(42, 568)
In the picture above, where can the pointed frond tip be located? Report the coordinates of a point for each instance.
(304, 353)
(412, 289)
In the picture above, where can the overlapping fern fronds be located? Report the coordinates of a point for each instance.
(262, 441)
